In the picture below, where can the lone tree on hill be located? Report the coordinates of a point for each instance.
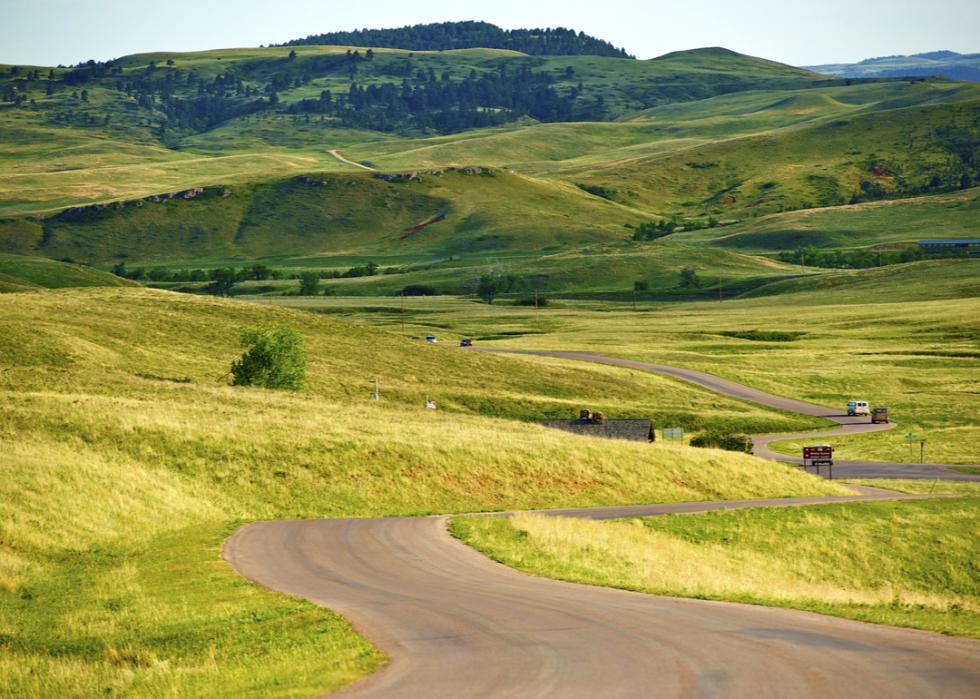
(488, 287)
(273, 358)
(309, 284)
(689, 278)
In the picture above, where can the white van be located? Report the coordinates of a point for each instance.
(858, 407)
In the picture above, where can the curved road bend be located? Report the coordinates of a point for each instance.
(848, 425)
(457, 624)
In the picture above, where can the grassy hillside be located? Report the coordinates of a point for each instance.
(484, 210)
(20, 273)
(880, 223)
(127, 459)
(873, 155)
(899, 563)
(928, 280)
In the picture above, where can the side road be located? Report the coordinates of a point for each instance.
(848, 425)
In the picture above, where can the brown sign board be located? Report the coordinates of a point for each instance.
(822, 454)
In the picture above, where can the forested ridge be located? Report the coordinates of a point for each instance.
(445, 36)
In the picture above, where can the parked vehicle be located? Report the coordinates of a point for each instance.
(879, 415)
(431, 339)
(858, 407)
(466, 342)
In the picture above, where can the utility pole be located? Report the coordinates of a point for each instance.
(720, 287)
(402, 314)
(634, 299)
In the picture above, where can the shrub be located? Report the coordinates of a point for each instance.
(418, 290)
(273, 359)
(731, 441)
(537, 301)
(309, 284)
(764, 335)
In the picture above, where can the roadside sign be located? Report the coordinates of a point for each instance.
(673, 432)
(817, 455)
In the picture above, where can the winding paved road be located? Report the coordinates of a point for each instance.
(848, 425)
(457, 624)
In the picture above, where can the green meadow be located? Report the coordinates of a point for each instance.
(900, 563)
(919, 358)
(127, 459)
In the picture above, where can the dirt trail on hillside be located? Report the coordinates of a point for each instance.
(336, 153)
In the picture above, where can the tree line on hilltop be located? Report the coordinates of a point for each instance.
(444, 36)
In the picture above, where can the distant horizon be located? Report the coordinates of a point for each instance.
(276, 44)
(833, 33)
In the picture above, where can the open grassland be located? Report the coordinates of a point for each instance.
(919, 358)
(126, 459)
(769, 144)
(902, 563)
(602, 270)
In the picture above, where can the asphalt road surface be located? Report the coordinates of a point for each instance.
(456, 624)
(848, 425)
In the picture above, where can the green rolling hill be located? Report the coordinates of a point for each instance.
(535, 164)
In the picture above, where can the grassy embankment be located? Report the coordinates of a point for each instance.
(918, 357)
(893, 223)
(127, 459)
(21, 273)
(900, 563)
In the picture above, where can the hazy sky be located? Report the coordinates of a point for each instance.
(49, 32)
